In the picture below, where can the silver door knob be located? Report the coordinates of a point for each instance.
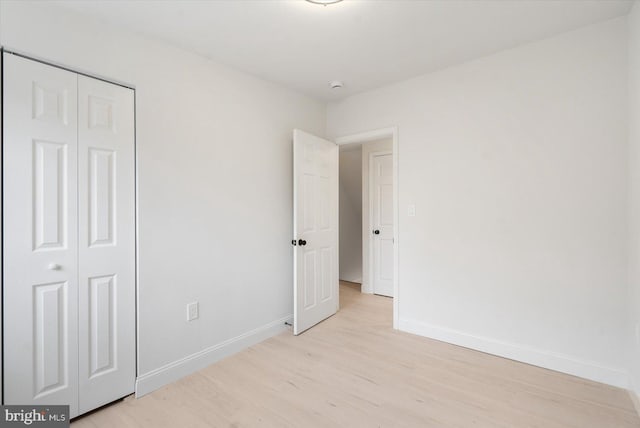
(54, 266)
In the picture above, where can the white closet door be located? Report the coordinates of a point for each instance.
(106, 189)
(40, 234)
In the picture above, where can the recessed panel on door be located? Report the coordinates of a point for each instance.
(50, 336)
(324, 203)
(50, 188)
(102, 325)
(310, 270)
(102, 197)
(308, 214)
(326, 270)
(50, 102)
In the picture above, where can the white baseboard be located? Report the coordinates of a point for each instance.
(537, 357)
(366, 288)
(171, 372)
(357, 280)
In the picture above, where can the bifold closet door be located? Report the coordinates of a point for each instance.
(69, 238)
(40, 234)
(106, 261)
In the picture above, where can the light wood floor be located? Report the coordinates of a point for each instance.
(354, 370)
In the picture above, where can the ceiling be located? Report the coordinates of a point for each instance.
(364, 43)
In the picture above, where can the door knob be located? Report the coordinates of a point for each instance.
(376, 232)
(302, 242)
(54, 266)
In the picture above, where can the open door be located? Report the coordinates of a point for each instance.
(315, 230)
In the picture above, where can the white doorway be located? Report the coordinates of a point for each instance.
(377, 267)
(350, 214)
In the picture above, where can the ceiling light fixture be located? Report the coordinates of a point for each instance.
(324, 2)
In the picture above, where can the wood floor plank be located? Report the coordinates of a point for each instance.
(354, 370)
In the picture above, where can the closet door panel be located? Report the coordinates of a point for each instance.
(40, 280)
(106, 185)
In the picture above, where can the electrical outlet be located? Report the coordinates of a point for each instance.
(192, 311)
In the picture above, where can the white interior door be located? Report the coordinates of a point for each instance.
(382, 222)
(106, 201)
(40, 234)
(315, 228)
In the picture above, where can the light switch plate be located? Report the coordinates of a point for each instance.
(192, 311)
(411, 210)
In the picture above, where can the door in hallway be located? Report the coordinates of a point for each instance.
(382, 223)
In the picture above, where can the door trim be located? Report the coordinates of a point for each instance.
(365, 137)
(45, 61)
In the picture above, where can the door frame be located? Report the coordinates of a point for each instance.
(365, 137)
(8, 50)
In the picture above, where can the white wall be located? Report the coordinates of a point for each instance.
(634, 193)
(351, 214)
(517, 166)
(385, 144)
(215, 185)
